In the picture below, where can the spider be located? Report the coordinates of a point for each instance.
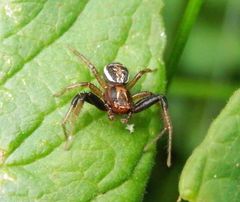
(115, 98)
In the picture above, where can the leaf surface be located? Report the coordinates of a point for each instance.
(212, 173)
(105, 162)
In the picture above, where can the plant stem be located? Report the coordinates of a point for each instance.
(186, 24)
(202, 89)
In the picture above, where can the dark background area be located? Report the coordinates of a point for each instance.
(208, 74)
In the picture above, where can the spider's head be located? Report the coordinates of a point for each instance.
(116, 73)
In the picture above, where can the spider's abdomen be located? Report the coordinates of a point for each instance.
(118, 98)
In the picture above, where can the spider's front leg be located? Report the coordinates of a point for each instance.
(148, 101)
(75, 108)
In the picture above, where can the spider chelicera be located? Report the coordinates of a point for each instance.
(115, 98)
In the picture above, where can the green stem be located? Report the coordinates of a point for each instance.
(188, 19)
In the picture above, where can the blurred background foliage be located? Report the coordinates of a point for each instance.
(208, 74)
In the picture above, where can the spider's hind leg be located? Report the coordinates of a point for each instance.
(75, 108)
(138, 76)
(147, 102)
(91, 67)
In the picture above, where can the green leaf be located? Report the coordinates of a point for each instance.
(212, 173)
(105, 162)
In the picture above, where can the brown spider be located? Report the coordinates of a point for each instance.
(116, 98)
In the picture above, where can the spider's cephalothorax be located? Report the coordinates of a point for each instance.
(116, 73)
(115, 97)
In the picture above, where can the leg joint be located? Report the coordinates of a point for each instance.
(80, 96)
(163, 101)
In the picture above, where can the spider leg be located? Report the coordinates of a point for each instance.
(110, 113)
(91, 86)
(141, 95)
(138, 76)
(148, 102)
(126, 119)
(92, 68)
(136, 96)
(75, 108)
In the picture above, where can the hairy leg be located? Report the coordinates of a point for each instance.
(92, 68)
(141, 95)
(138, 76)
(75, 108)
(148, 102)
(89, 85)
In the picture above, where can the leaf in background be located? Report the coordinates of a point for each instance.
(106, 162)
(212, 173)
